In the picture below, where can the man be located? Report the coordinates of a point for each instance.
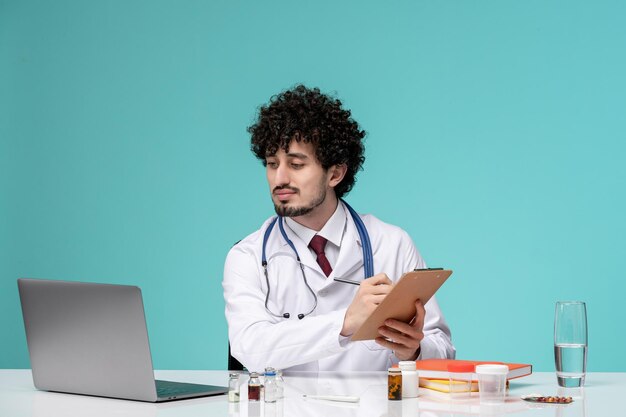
(289, 313)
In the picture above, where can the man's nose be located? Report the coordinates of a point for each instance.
(282, 175)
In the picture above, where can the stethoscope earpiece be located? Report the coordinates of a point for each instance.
(286, 315)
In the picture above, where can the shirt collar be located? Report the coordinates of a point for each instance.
(332, 231)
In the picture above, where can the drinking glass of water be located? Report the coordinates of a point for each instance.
(570, 343)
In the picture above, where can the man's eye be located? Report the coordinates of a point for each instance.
(271, 164)
(297, 166)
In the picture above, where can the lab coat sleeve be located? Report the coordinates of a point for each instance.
(437, 342)
(257, 338)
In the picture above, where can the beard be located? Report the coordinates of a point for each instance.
(286, 211)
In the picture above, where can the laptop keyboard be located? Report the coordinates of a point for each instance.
(173, 389)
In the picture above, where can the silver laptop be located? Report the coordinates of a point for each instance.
(91, 339)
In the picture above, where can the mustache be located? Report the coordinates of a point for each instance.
(285, 187)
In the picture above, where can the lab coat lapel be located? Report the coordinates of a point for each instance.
(306, 257)
(350, 254)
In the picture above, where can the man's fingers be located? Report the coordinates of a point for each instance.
(377, 280)
(398, 346)
(398, 338)
(408, 336)
(419, 315)
(401, 327)
(404, 339)
(386, 343)
(377, 299)
(382, 289)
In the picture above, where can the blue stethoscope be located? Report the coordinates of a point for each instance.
(368, 258)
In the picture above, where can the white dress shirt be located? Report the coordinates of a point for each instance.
(333, 231)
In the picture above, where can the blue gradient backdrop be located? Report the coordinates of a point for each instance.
(496, 134)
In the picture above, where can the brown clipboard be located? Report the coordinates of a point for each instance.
(399, 304)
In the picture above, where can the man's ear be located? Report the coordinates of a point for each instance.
(336, 174)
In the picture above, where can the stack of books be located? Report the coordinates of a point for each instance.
(434, 374)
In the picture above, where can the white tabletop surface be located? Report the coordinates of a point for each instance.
(601, 396)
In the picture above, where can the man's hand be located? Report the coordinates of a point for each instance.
(371, 292)
(404, 338)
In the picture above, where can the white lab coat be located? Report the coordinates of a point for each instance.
(259, 339)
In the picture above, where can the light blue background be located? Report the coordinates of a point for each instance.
(495, 138)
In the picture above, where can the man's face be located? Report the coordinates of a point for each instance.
(297, 181)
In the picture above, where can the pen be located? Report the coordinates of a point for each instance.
(347, 281)
(342, 398)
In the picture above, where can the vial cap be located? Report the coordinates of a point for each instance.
(395, 370)
(270, 373)
(407, 365)
(461, 367)
(492, 369)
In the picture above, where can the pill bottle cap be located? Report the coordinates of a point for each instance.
(461, 367)
(407, 365)
(492, 369)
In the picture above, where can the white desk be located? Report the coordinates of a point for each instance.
(601, 396)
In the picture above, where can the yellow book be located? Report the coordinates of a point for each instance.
(445, 385)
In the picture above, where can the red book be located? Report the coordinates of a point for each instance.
(438, 368)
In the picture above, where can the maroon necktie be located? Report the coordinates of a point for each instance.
(318, 244)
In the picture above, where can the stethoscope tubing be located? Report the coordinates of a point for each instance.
(368, 258)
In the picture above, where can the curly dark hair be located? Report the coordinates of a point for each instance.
(305, 114)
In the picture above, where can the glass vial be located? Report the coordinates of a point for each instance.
(410, 380)
(233, 387)
(270, 386)
(280, 385)
(254, 387)
(394, 384)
